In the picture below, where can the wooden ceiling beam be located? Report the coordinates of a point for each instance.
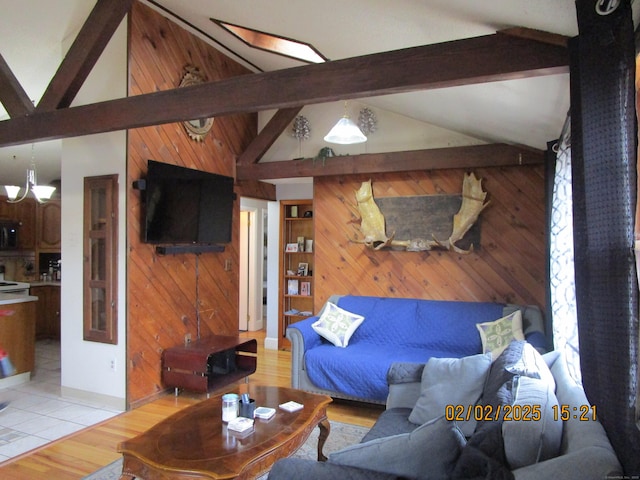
(12, 96)
(475, 156)
(461, 62)
(269, 134)
(91, 41)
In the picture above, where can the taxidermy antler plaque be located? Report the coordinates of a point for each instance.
(422, 222)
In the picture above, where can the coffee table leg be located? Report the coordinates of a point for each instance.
(325, 428)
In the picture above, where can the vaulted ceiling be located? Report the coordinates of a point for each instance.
(446, 67)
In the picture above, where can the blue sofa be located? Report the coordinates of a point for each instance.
(394, 330)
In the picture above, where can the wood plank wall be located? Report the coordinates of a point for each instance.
(509, 266)
(161, 290)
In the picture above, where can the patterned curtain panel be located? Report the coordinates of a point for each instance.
(561, 267)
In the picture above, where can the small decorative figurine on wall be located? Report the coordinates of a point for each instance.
(199, 128)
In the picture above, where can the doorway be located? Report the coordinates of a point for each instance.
(252, 264)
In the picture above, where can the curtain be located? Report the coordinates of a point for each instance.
(561, 267)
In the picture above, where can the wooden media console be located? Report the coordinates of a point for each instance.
(209, 363)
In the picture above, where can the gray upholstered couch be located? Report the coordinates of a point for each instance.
(584, 452)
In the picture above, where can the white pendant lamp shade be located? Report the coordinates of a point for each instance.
(345, 132)
(43, 192)
(12, 191)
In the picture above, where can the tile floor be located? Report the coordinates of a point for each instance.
(37, 414)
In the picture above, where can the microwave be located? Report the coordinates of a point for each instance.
(8, 235)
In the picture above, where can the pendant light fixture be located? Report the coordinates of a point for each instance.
(345, 132)
(41, 192)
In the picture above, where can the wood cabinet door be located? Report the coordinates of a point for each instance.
(53, 318)
(41, 311)
(47, 311)
(49, 233)
(25, 213)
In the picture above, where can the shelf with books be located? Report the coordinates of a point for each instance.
(296, 264)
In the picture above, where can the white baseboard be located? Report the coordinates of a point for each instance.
(14, 380)
(271, 343)
(108, 401)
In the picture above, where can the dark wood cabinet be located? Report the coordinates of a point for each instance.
(49, 236)
(25, 213)
(47, 311)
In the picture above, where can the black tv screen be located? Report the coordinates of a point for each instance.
(187, 206)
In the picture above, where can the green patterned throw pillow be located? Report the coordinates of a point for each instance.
(497, 335)
(337, 325)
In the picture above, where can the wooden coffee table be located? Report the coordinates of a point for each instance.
(195, 444)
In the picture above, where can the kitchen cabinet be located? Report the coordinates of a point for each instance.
(48, 226)
(47, 311)
(296, 264)
(24, 213)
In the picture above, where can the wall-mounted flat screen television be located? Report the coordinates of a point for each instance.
(187, 206)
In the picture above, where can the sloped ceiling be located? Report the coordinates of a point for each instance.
(527, 111)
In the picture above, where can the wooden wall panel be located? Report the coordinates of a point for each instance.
(161, 290)
(509, 266)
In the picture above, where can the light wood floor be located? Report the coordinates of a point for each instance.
(79, 454)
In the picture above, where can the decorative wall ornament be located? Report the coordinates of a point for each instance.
(301, 130)
(373, 223)
(367, 121)
(199, 128)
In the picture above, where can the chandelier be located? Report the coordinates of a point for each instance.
(41, 192)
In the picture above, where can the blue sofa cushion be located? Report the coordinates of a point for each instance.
(359, 370)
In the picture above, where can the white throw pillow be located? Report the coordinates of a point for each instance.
(430, 451)
(337, 325)
(453, 383)
(497, 335)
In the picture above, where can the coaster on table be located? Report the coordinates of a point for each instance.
(291, 406)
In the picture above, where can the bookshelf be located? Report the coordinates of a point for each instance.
(296, 264)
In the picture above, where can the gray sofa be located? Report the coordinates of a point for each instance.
(584, 451)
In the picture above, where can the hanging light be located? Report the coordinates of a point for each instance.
(345, 131)
(41, 192)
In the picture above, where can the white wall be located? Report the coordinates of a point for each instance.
(86, 366)
(394, 133)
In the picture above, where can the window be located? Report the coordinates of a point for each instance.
(100, 259)
(273, 43)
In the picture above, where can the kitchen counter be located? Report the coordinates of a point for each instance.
(11, 298)
(45, 283)
(17, 335)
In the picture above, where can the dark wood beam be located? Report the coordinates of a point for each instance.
(269, 134)
(12, 96)
(461, 62)
(476, 156)
(91, 41)
(537, 35)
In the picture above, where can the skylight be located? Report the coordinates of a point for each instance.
(273, 43)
